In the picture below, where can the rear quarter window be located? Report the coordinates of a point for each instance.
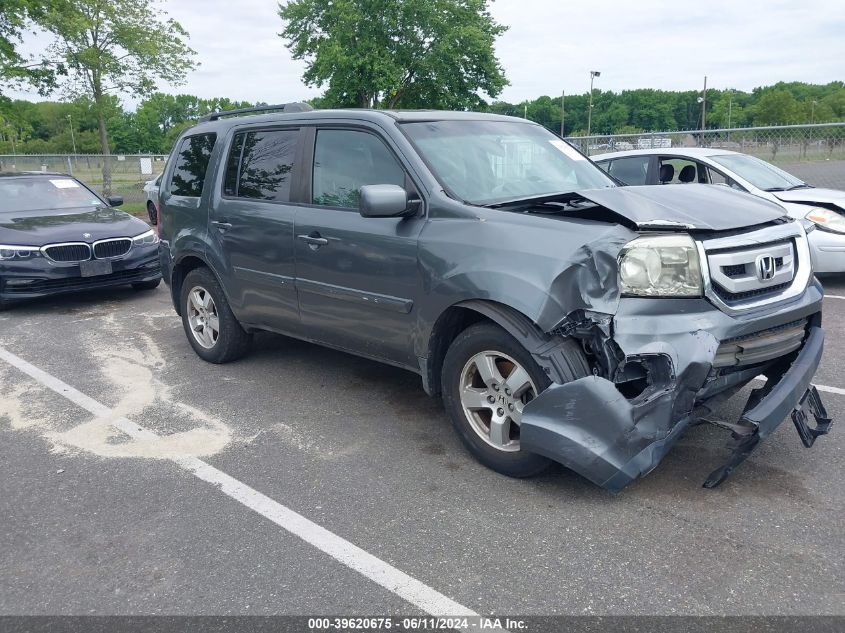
(191, 165)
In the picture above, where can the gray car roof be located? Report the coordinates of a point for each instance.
(375, 116)
(690, 152)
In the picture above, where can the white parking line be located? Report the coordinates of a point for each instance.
(380, 572)
(824, 388)
(834, 297)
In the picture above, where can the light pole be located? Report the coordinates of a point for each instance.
(593, 75)
(813, 112)
(704, 105)
(72, 138)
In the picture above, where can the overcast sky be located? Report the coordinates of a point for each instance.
(552, 45)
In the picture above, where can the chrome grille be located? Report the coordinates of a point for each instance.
(757, 268)
(761, 346)
(71, 252)
(737, 275)
(106, 249)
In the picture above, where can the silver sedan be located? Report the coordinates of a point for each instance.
(151, 188)
(824, 208)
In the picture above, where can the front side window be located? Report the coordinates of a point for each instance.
(191, 165)
(758, 172)
(487, 162)
(260, 164)
(631, 171)
(345, 161)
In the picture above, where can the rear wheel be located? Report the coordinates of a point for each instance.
(488, 378)
(211, 327)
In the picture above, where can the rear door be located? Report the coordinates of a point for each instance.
(357, 277)
(251, 224)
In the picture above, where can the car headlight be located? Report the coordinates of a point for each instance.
(19, 252)
(826, 219)
(145, 239)
(660, 266)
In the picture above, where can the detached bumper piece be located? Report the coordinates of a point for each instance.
(787, 390)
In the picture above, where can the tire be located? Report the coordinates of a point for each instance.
(463, 368)
(152, 213)
(231, 341)
(146, 285)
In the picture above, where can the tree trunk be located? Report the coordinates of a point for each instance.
(104, 138)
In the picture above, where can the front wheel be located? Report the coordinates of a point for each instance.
(488, 378)
(211, 327)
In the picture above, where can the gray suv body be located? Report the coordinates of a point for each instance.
(560, 316)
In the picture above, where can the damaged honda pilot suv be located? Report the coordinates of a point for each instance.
(561, 317)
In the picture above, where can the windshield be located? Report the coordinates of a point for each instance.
(485, 162)
(758, 172)
(30, 194)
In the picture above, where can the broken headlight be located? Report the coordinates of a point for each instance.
(827, 220)
(660, 266)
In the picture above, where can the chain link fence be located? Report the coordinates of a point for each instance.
(129, 172)
(814, 153)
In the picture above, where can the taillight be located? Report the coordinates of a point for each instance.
(158, 219)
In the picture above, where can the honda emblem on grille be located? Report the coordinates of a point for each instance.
(765, 267)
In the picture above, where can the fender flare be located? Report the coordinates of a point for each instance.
(552, 352)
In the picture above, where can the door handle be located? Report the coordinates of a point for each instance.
(221, 225)
(314, 240)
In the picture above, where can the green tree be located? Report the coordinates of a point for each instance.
(113, 47)
(396, 53)
(15, 17)
(776, 107)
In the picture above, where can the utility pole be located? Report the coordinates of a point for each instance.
(562, 110)
(704, 105)
(593, 75)
(813, 112)
(525, 110)
(72, 138)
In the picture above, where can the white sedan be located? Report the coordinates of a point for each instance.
(825, 208)
(151, 197)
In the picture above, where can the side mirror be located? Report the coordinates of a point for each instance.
(115, 201)
(383, 201)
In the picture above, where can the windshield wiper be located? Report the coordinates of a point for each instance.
(803, 185)
(532, 201)
(771, 189)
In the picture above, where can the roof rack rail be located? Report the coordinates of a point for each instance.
(284, 107)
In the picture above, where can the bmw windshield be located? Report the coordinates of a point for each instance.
(44, 193)
(488, 162)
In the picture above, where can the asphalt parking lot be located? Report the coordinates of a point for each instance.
(203, 517)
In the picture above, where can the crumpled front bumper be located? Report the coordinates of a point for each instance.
(589, 426)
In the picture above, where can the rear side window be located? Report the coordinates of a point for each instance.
(259, 165)
(191, 165)
(346, 160)
(631, 171)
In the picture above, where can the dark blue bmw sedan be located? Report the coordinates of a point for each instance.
(58, 236)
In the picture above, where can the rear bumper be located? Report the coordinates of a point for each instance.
(40, 277)
(591, 427)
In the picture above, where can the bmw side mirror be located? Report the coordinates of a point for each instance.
(383, 201)
(115, 201)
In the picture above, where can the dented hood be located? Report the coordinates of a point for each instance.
(703, 207)
(813, 196)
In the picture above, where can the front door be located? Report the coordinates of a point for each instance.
(252, 223)
(357, 277)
